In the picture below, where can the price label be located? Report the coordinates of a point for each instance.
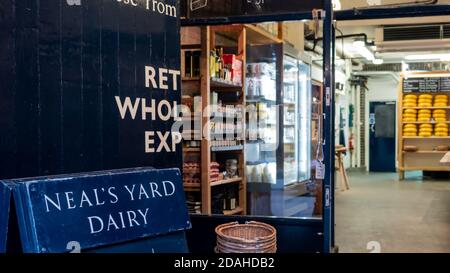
(320, 170)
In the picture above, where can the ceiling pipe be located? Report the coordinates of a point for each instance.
(363, 35)
(394, 75)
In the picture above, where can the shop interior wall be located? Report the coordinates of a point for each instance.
(379, 89)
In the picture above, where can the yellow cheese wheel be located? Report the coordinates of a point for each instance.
(410, 130)
(409, 120)
(409, 105)
(443, 112)
(425, 99)
(409, 116)
(426, 125)
(439, 105)
(441, 130)
(425, 111)
(439, 116)
(425, 96)
(423, 120)
(410, 96)
(440, 119)
(409, 134)
(410, 126)
(441, 135)
(441, 125)
(441, 97)
(425, 130)
(425, 105)
(441, 100)
(424, 115)
(410, 111)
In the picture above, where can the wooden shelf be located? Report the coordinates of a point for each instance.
(192, 187)
(425, 122)
(191, 150)
(426, 152)
(425, 108)
(191, 79)
(260, 99)
(227, 148)
(226, 181)
(219, 83)
(427, 137)
(237, 210)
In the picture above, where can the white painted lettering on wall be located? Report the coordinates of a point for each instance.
(156, 79)
(153, 6)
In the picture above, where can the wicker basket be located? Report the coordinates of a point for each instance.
(251, 237)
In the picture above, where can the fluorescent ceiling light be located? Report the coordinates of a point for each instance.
(362, 50)
(422, 57)
(378, 61)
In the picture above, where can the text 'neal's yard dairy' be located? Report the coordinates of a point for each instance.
(97, 197)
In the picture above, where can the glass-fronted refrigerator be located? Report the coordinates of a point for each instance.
(296, 120)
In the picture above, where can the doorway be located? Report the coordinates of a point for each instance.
(382, 125)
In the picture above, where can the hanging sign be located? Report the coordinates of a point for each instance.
(426, 85)
(89, 211)
(209, 9)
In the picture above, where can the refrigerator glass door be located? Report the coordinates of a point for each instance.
(305, 109)
(291, 120)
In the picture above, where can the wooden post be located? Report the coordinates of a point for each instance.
(205, 132)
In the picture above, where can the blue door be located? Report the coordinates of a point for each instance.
(382, 120)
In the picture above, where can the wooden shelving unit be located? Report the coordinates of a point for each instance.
(427, 158)
(207, 86)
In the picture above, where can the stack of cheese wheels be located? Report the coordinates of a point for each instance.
(410, 130)
(425, 100)
(410, 101)
(424, 115)
(410, 115)
(426, 130)
(440, 115)
(441, 130)
(440, 101)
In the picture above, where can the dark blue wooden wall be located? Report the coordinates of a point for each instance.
(60, 68)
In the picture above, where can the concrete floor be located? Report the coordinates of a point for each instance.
(408, 216)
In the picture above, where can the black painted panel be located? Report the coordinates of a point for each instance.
(60, 69)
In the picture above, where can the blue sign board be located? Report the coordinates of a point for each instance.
(88, 211)
(5, 199)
